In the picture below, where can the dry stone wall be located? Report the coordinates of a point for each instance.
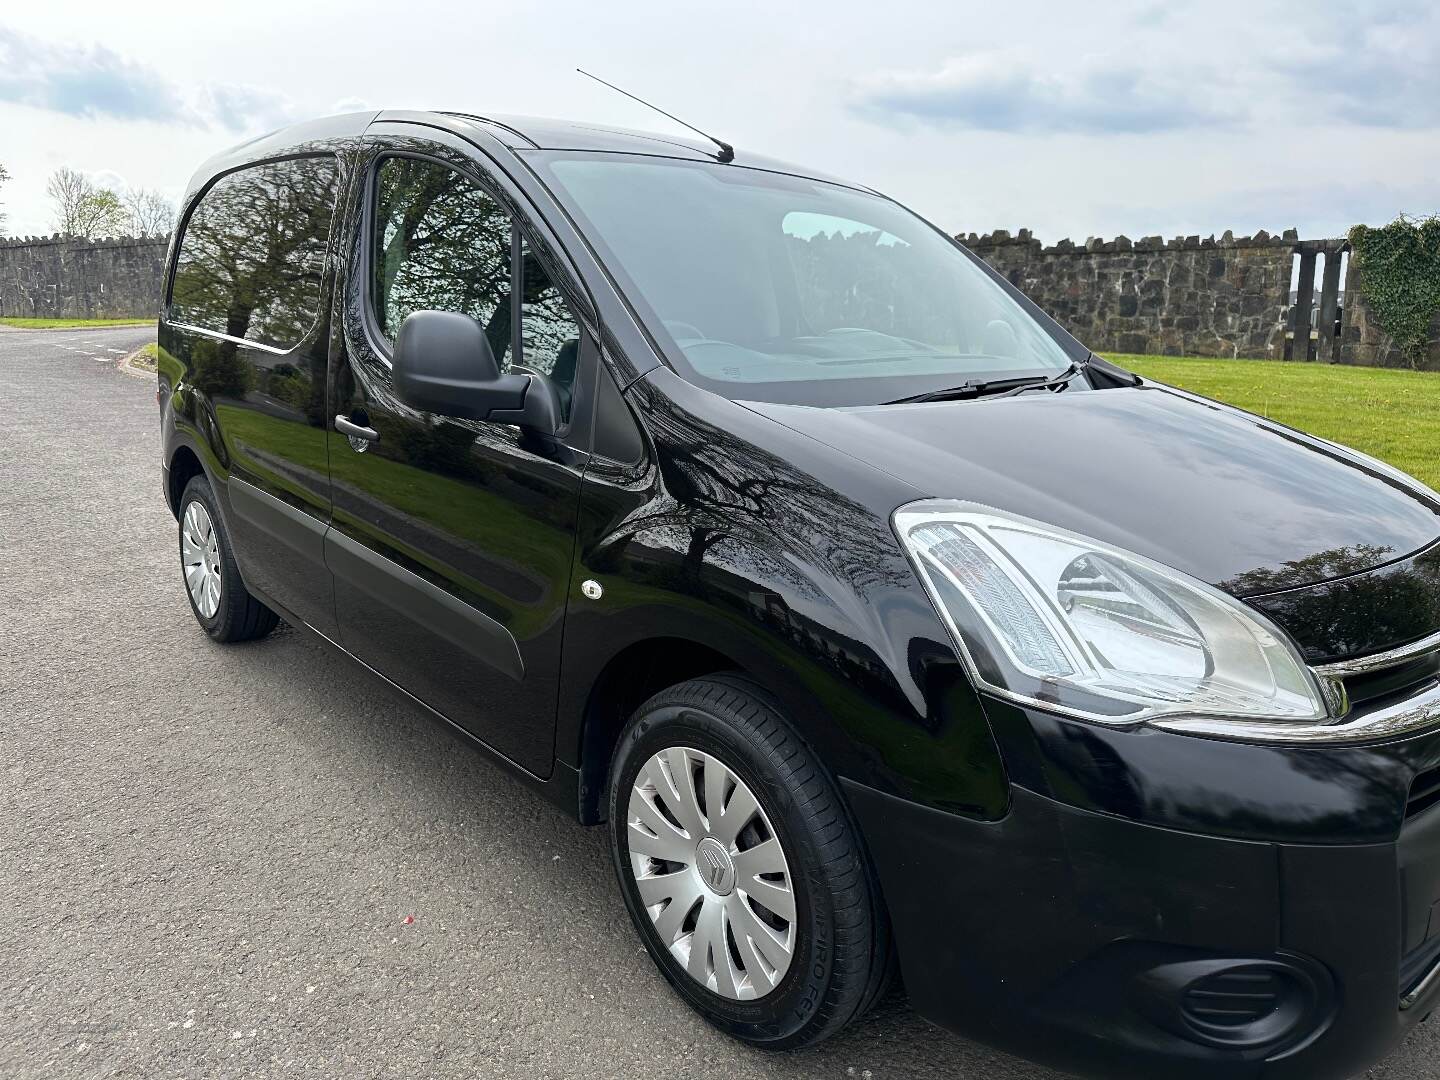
(1183, 297)
(72, 278)
(1188, 296)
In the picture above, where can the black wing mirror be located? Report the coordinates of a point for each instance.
(444, 364)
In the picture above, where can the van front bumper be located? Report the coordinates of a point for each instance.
(1203, 923)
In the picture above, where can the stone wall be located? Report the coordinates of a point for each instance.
(1363, 342)
(1182, 297)
(72, 278)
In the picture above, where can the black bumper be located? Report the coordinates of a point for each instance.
(1115, 947)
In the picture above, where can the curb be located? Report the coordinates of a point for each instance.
(125, 367)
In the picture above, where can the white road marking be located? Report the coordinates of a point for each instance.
(117, 352)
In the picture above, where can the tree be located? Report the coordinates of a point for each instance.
(151, 214)
(4, 175)
(82, 208)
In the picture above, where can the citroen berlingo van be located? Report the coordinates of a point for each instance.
(886, 629)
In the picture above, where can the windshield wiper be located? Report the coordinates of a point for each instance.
(1076, 366)
(974, 388)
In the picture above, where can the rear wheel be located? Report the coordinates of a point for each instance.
(219, 599)
(741, 868)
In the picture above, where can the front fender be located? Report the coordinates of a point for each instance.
(790, 570)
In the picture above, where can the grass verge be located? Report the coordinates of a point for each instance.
(144, 358)
(71, 324)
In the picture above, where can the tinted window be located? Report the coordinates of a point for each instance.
(782, 288)
(549, 334)
(441, 243)
(252, 255)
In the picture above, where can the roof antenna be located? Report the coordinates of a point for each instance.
(727, 152)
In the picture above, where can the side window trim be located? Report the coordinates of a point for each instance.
(248, 343)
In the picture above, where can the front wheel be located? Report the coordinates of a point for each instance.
(221, 603)
(741, 868)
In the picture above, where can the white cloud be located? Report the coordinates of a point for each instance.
(1005, 91)
(1133, 116)
(92, 81)
(1370, 66)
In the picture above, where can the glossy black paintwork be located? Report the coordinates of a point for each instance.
(1227, 497)
(258, 417)
(762, 534)
(483, 514)
(1355, 614)
(522, 133)
(733, 532)
(744, 529)
(1295, 794)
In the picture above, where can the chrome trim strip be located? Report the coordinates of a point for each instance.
(1377, 661)
(226, 337)
(1403, 717)
(1423, 987)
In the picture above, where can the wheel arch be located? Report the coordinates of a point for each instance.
(183, 466)
(630, 677)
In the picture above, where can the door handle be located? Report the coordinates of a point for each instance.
(346, 426)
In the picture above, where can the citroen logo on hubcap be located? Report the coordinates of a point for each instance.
(716, 868)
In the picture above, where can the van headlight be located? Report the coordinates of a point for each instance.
(1057, 620)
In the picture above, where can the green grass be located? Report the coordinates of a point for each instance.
(66, 324)
(146, 357)
(1393, 415)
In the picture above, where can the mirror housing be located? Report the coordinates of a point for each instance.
(443, 364)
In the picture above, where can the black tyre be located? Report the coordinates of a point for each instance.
(741, 867)
(219, 599)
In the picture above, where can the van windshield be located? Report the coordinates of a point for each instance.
(770, 287)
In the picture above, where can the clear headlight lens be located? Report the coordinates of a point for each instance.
(1069, 623)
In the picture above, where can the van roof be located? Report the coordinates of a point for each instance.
(546, 133)
(520, 133)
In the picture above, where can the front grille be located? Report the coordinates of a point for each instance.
(1380, 695)
(1378, 686)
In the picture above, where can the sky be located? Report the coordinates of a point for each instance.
(1073, 120)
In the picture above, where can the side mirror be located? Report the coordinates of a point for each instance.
(444, 364)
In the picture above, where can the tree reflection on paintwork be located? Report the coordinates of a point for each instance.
(1357, 607)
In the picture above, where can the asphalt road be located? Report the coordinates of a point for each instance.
(209, 855)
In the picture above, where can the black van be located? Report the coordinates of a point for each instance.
(741, 510)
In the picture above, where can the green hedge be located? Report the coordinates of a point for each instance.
(1399, 273)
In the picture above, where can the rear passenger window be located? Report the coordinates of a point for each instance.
(252, 255)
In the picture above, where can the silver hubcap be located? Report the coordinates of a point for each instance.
(200, 558)
(711, 873)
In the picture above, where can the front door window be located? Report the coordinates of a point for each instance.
(443, 243)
